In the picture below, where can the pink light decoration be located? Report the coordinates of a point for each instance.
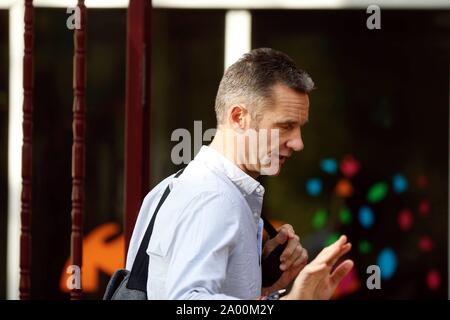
(348, 285)
(425, 243)
(433, 279)
(424, 208)
(349, 166)
(405, 219)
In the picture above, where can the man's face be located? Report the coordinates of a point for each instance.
(289, 113)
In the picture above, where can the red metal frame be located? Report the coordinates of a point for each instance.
(137, 131)
(27, 127)
(78, 146)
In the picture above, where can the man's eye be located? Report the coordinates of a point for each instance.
(286, 126)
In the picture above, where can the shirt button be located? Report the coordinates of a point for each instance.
(258, 189)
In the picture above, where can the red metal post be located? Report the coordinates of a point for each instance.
(137, 135)
(27, 127)
(78, 146)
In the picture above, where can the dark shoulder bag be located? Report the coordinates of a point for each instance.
(126, 285)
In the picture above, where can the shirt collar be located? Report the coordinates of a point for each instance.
(215, 160)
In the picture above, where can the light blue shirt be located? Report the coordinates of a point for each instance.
(207, 237)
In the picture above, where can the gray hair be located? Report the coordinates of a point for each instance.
(250, 80)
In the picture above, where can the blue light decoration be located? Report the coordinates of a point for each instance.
(329, 165)
(335, 182)
(314, 186)
(399, 183)
(387, 261)
(366, 217)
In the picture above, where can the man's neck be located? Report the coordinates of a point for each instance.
(224, 143)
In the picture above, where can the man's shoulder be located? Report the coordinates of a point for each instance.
(197, 186)
(158, 189)
(197, 180)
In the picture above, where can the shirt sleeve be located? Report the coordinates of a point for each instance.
(204, 238)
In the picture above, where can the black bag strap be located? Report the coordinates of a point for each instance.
(270, 265)
(139, 271)
(271, 231)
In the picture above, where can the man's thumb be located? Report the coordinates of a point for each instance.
(280, 238)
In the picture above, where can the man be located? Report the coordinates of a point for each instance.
(207, 236)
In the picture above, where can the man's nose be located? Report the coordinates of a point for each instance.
(295, 142)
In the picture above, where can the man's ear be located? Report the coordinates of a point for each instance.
(238, 117)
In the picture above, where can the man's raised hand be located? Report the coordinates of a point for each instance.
(316, 281)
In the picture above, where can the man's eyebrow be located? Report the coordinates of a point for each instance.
(292, 121)
(287, 121)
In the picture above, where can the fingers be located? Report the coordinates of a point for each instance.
(341, 271)
(288, 230)
(282, 236)
(333, 252)
(313, 269)
(316, 281)
(284, 233)
(291, 246)
(301, 261)
(345, 249)
(294, 255)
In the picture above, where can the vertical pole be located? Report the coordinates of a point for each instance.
(448, 191)
(25, 214)
(78, 146)
(137, 164)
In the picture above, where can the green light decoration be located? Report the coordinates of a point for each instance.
(345, 216)
(377, 192)
(365, 246)
(320, 218)
(332, 238)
